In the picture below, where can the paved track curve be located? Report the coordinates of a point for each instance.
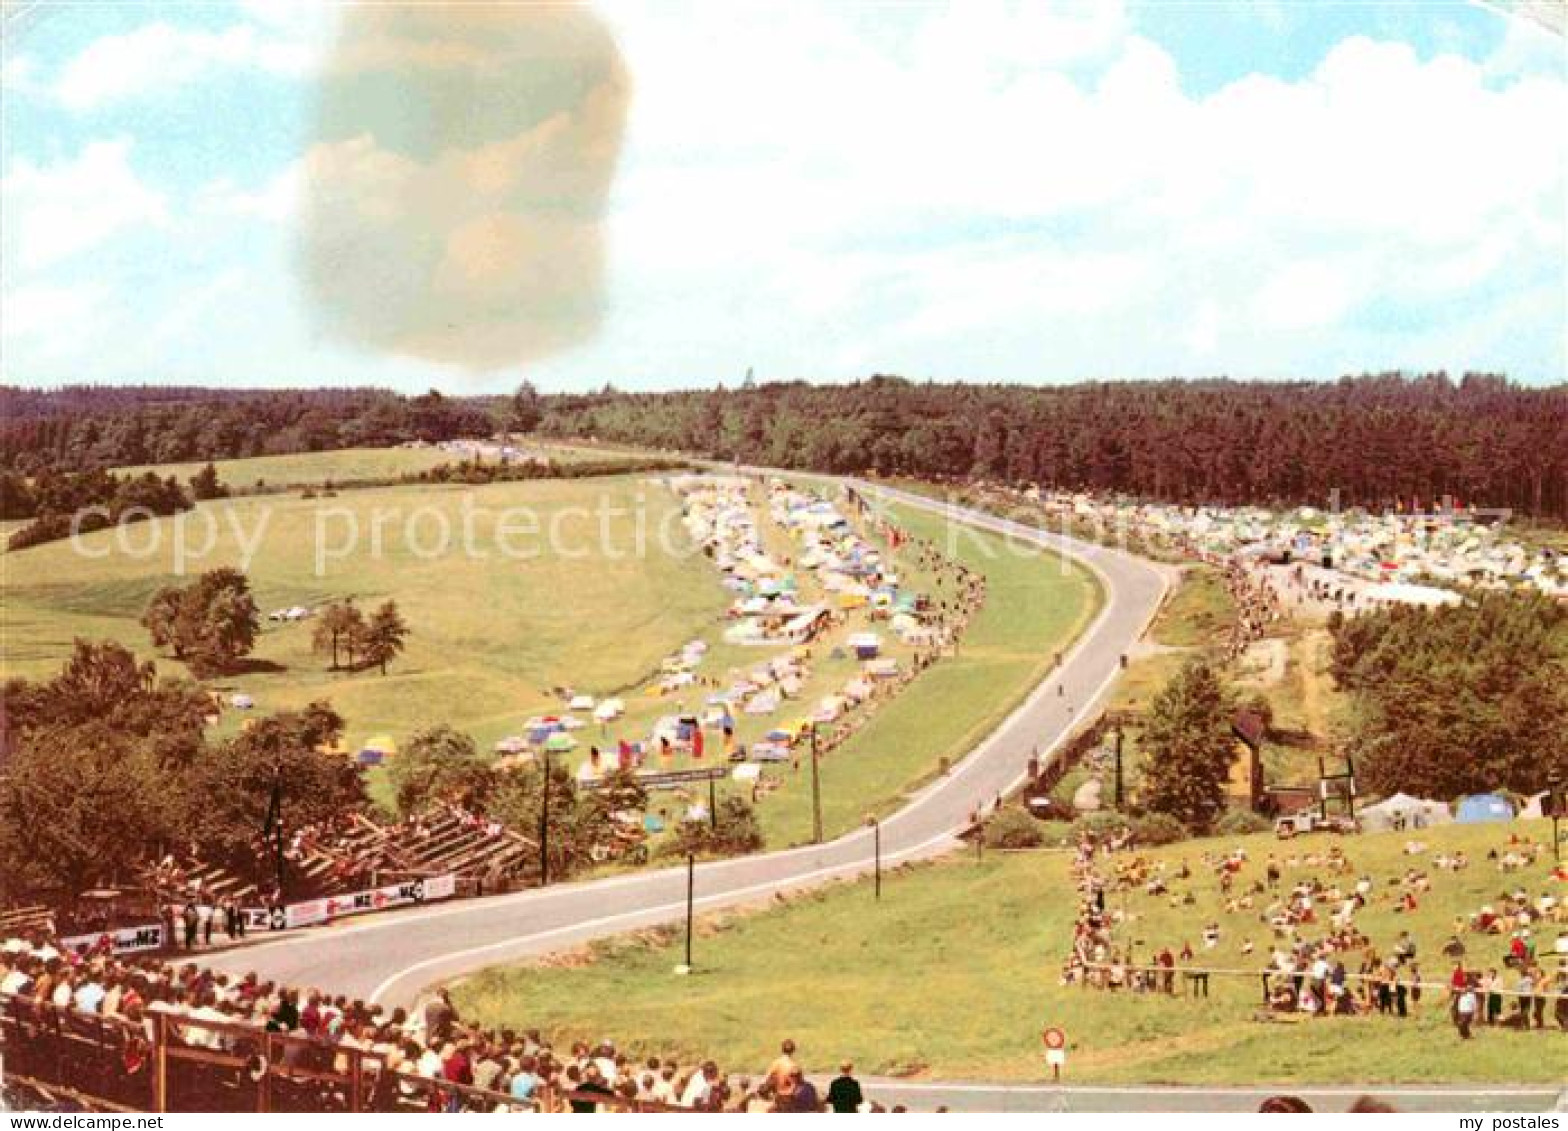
(391, 958)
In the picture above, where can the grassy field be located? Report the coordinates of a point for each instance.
(340, 466)
(955, 972)
(297, 469)
(1199, 614)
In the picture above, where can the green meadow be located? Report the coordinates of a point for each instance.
(340, 466)
(956, 971)
(491, 633)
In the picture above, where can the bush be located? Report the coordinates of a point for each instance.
(738, 833)
(1158, 828)
(1013, 828)
(1241, 822)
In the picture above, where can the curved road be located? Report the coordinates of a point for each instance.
(391, 958)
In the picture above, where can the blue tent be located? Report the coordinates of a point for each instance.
(1481, 807)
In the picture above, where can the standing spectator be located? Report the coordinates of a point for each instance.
(803, 1094)
(700, 1087)
(191, 918)
(1464, 1011)
(440, 1016)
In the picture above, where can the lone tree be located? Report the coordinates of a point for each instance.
(339, 626)
(206, 485)
(161, 619)
(380, 641)
(526, 410)
(1190, 748)
(441, 764)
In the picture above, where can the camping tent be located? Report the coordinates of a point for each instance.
(1480, 807)
(1401, 811)
(1535, 806)
(376, 750)
(865, 645)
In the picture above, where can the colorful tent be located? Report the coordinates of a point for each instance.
(1482, 807)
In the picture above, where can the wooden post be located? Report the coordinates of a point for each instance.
(816, 790)
(264, 1085)
(356, 1099)
(876, 833)
(691, 889)
(160, 1062)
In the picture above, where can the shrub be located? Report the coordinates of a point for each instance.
(1241, 822)
(738, 832)
(1013, 828)
(1158, 828)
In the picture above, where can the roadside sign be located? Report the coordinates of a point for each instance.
(1055, 1051)
(670, 779)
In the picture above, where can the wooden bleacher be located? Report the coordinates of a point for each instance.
(442, 841)
(18, 921)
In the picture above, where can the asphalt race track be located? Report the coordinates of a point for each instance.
(391, 958)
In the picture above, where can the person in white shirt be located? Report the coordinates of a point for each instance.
(664, 1086)
(16, 982)
(429, 1064)
(700, 1086)
(605, 1059)
(89, 995)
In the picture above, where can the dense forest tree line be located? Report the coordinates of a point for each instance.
(1458, 700)
(105, 427)
(1375, 439)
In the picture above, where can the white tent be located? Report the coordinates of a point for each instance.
(1402, 811)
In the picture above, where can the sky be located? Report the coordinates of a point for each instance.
(1040, 193)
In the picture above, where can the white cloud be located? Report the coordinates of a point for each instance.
(19, 73)
(161, 57)
(273, 202)
(1010, 192)
(47, 311)
(58, 211)
(1099, 216)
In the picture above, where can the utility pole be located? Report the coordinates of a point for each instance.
(544, 823)
(816, 790)
(691, 889)
(273, 829)
(1120, 798)
(1557, 802)
(876, 837)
